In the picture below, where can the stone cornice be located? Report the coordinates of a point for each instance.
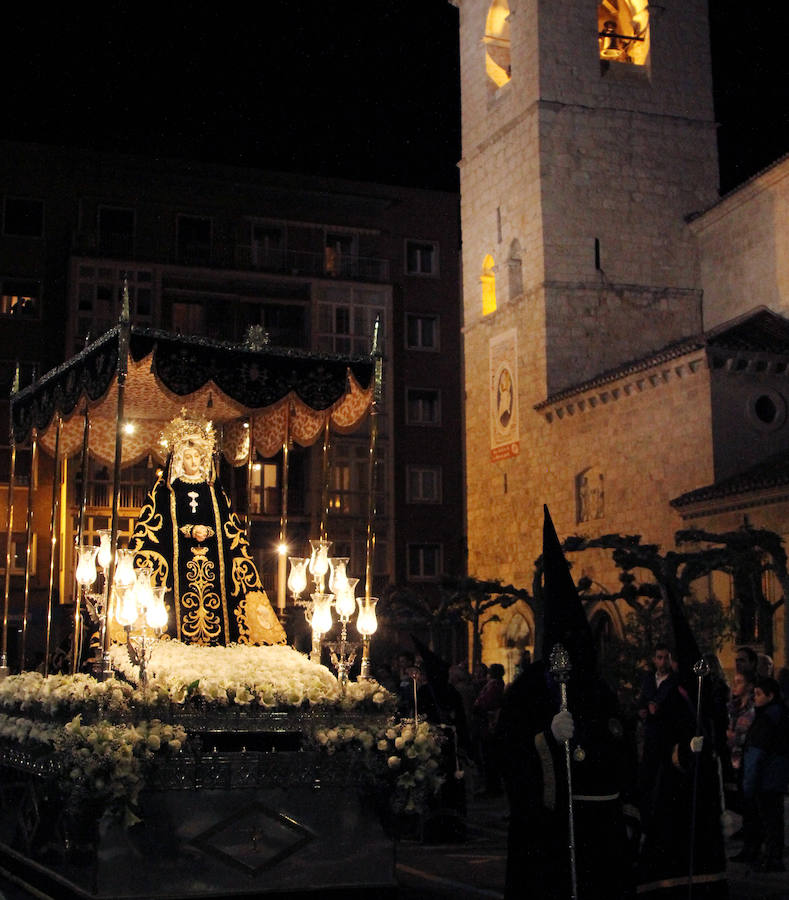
(624, 382)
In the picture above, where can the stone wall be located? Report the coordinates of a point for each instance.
(744, 248)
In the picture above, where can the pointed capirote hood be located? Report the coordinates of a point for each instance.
(564, 619)
(435, 669)
(686, 648)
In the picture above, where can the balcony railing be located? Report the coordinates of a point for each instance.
(248, 257)
(131, 496)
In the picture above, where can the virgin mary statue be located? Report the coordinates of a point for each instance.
(196, 545)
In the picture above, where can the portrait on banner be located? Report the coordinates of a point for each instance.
(503, 387)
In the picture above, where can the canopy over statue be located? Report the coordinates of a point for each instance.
(195, 544)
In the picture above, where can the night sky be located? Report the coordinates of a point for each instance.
(366, 90)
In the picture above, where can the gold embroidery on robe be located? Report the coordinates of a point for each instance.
(257, 621)
(201, 623)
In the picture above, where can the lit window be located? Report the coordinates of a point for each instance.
(423, 406)
(488, 280)
(497, 44)
(424, 561)
(424, 484)
(340, 258)
(421, 332)
(421, 258)
(23, 217)
(623, 31)
(19, 298)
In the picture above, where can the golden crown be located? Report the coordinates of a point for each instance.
(188, 426)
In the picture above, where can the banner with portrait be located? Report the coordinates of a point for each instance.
(504, 430)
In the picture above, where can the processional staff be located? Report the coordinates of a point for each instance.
(560, 668)
(701, 669)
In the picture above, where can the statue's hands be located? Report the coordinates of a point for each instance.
(200, 532)
(562, 726)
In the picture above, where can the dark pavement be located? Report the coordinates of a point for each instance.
(474, 869)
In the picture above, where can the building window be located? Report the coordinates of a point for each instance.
(340, 255)
(346, 318)
(18, 552)
(194, 239)
(349, 477)
(268, 246)
(421, 332)
(97, 295)
(424, 484)
(421, 258)
(19, 298)
(423, 406)
(488, 281)
(116, 231)
(497, 44)
(187, 318)
(623, 31)
(424, 561)
(23, 217)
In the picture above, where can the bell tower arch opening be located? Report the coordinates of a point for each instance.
(498, 65)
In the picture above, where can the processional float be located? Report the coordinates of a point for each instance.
(275, 794)
(111, 402)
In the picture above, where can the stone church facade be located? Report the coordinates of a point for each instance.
(624, 339)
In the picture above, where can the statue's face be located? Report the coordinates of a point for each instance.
(191, 461)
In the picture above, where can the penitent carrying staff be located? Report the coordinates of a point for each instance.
(569, 772)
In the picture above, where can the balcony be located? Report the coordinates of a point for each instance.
(245, 257)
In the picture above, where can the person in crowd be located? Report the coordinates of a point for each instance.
(766, 775)
(765, 668)
(741, 712)
(683, 848)
(656, 686)
(407, 673)
(747, 662)
(487, 707)
(537, 735)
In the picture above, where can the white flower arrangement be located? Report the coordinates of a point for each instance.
(405, 754)
(105, 760)
(242, 675)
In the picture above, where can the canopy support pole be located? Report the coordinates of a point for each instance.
(83, 502)
(325, 470)
(282, 550)
(53, 538)
(371, 460)
(4, 670)
(250, 463)
(123, 366)
(29, 546)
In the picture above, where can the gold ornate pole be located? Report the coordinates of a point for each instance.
(282, 550)
(370, 544)
(29, 550)
(371, 486)
(4, 670)
(325, 471)
(83, 501)
(53, 538)
(123, 365)
(250, 457)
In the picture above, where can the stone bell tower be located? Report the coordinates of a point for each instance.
(588, 138)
